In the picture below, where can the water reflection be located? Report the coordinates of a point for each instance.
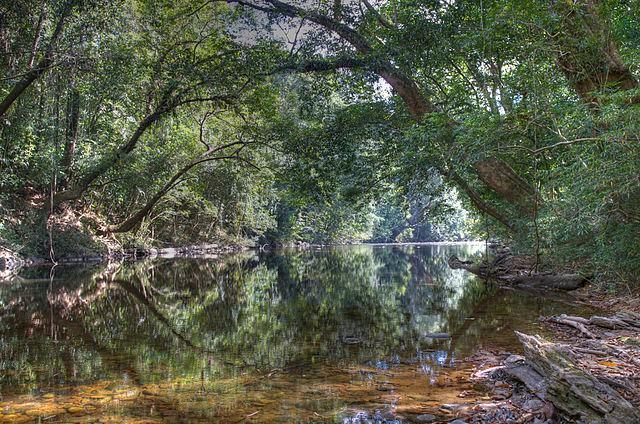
(337, 334)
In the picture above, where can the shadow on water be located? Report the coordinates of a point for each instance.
(330, 335)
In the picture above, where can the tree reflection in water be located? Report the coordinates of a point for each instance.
(252, 331)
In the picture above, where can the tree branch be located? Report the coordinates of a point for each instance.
(381, 19)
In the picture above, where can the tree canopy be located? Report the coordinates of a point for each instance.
(138, 122)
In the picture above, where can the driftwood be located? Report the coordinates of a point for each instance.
(521, 371)
(620, 321)
(575, 322)
(612, 323)
(551, 371)
(515, 271)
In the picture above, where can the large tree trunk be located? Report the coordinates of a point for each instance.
(498, 175)
(68, 156)
(587, 53)
(477, 201)
(37, 36)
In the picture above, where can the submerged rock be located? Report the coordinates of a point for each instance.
(438, 335)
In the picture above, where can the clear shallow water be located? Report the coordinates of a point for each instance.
(328, 335)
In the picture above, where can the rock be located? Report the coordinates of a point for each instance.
(438, 335)
(449, 408)
(466, 393)
(458, 421)
(385, 387)
(487, 373)
(425, 418)
(15, 418)
(533, 405)
(501, 394)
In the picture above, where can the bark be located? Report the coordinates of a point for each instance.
(531, 378)
(68, 157)
(574, 391)
(36, 37)
(550, 281)
(39, 68)
(575, 323)
(478, 202)
(588, 55)
(507, 183)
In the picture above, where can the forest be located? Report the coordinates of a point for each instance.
(145, 123)
(293, 161)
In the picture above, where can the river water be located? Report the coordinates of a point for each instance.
(341, 334)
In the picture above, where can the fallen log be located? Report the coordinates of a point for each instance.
(573, 323)
(612, 323)
(503, 269)
(531, 378)
(575, 392)
(581, 320)
(629, 317)
(554, 281)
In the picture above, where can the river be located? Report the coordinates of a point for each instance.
(338, 334)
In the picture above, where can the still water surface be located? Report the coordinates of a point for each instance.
(328, 335)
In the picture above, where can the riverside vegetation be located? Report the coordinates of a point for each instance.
(134, 123)
(131, 125)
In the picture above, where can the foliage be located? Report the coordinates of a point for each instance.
(192, 122)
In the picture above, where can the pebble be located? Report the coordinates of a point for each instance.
(466, 393)
(533, 405)
(425, 418)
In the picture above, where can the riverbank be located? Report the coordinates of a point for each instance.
(11, 262)
(586, 372)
